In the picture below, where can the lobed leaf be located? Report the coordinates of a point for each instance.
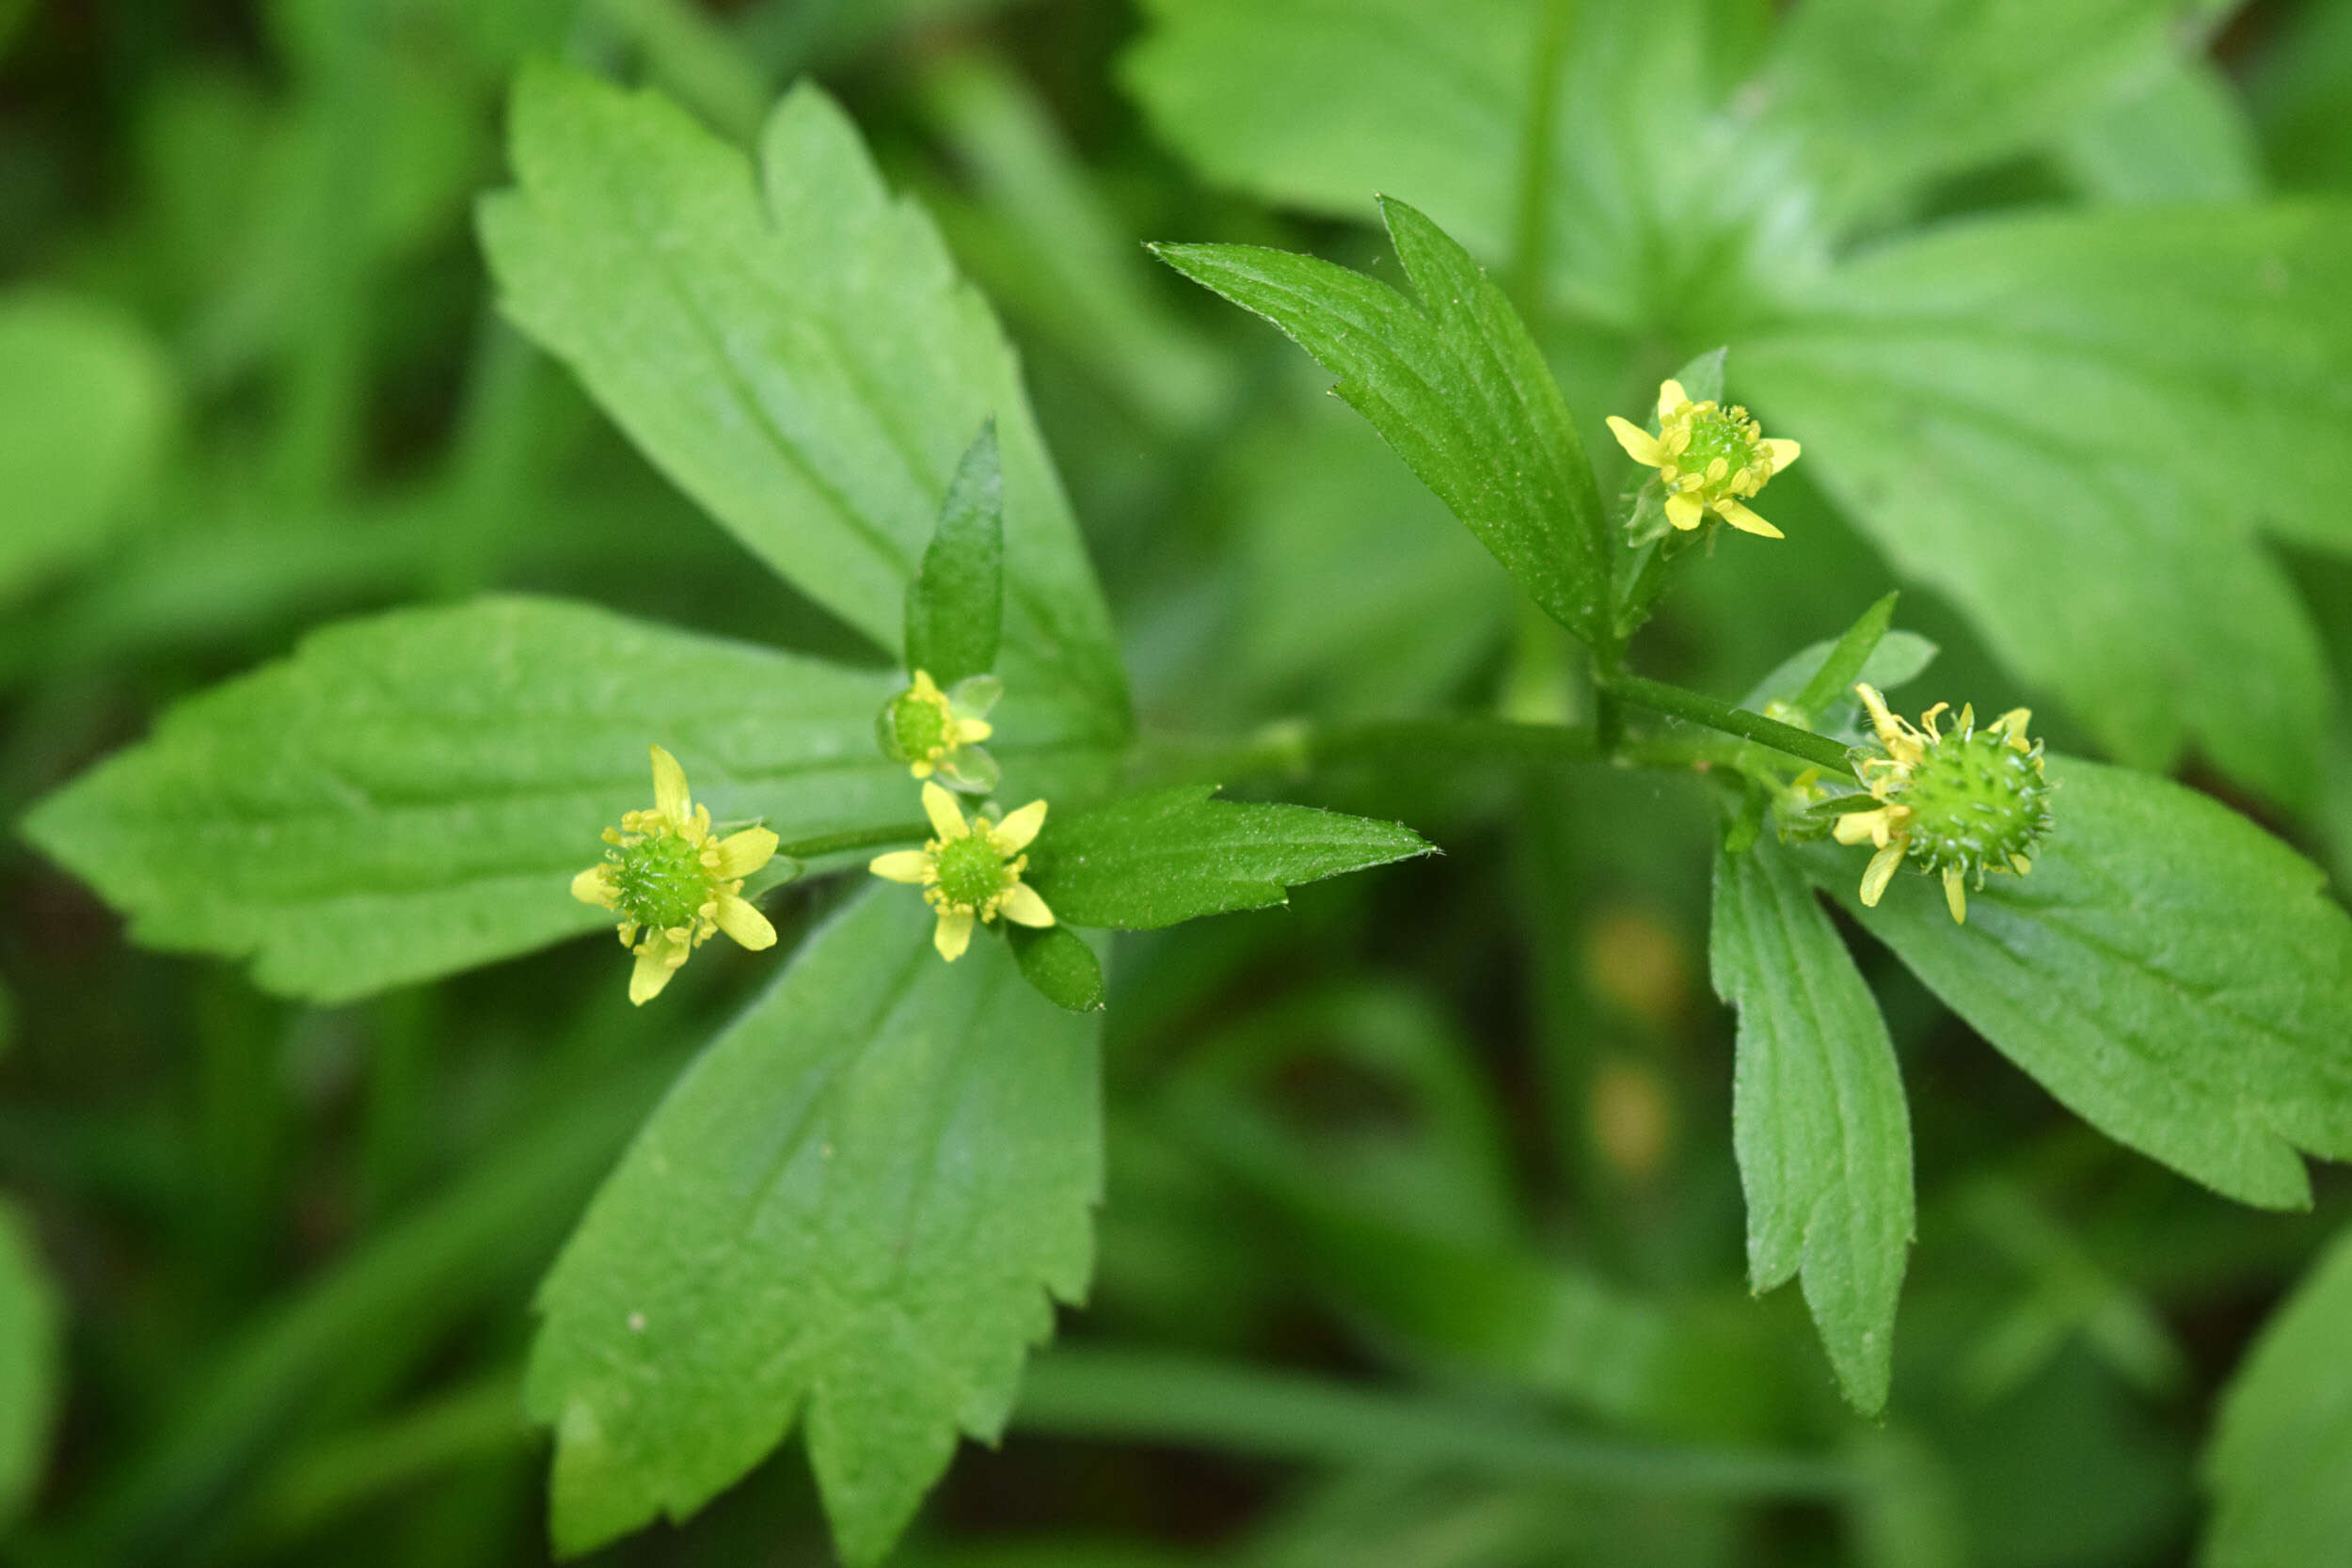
(409, 795)
(794, 348)
(31, 1332)
(855, 1211)
(2170, 973)
(2282, 1447)
(1818, 1119)
(1454, 383)
(1176, 854)
(956, 604)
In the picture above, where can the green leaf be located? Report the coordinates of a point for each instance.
(856, 1210)
(1818, 1119)
(85, 399)
(30, 1350)
(2183, 138)
(956, 604)
(1174, 855)
(409, 795)
(2283, 1446)
(2073, 425)
(795, 350)
(1847, 660)
(2170, 973)
(1057, 961)
(1456, 385)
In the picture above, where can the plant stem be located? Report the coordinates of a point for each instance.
(857, 838)
(1697, 708)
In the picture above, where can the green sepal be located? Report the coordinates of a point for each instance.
(1060, 964)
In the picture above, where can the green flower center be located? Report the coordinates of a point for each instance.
(1715, 433)
(662, 881)
(1974, 802)
(971, 872)
(914, 728)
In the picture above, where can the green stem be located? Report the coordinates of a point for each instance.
(1697, 708)
(1107, 1394)
(1529, 246)
(857, 838)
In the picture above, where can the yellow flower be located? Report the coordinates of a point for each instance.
(972, 871)
(1968, 801)
(1708, 458)
(939, 732)
(666, 873)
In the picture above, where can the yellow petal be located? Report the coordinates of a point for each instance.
(1639, 444)
(746, 925)
(1955, 894)
(925, 690)
(1738, 517)
(1784, 450)
(2020, 864)
(595, 886)
(669, 788)
(1014, 832)
(953, 935)
(741, 854)
(1684, 510)
(1879, 873)
(1670, 397)
(1860, 827)
(1023, 907)
(901, 865)
(946, 818)
(660, 960)
(972, 731)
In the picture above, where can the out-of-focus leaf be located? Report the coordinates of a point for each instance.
(2300, 88)
(796, 351)
(1818, 1118)
(2280, 1468)
(1057, 961)
(1452, 381)
(30, 1332)
(1177, 854)
(2184, 137)
(854, 1209)
(2073, 425)
(956, 604)
(2170, 971)
(409, 795)
(86, 400)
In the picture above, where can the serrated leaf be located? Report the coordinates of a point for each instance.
(956, 604)
(1818, 1118)
(2280, 1468)
(1452, 381)
(2170, 971)
(86, 400)
(409, 795)
(30, 1351)
(794, 348)
(855, 1211)
(1057, 961)
(2073, 425)
(1176, 854)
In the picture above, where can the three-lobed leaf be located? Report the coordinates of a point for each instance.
(2282, 1447)
(30, 1353)
(409, 795)
(1819, 1120)
(1452, 380)
(1173, 855)
(956, 604)
(2171, 973)
(855, 1211)
(793, 347)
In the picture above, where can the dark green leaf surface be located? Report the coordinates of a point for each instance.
(855, 1211)
(956, 604)
(86, 400)
(1456, 385)
(30, 1335)
(2281, 1465)
(2074, 425)
(1057, 961)
(1818, 1119)
(2170, 973)
(795, 350)
(1177, 854)
(410, 795)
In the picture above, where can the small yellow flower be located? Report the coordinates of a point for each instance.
(972, 871)
(1708, 458)
(1967, 801)
(666, 873)
(939, 732)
